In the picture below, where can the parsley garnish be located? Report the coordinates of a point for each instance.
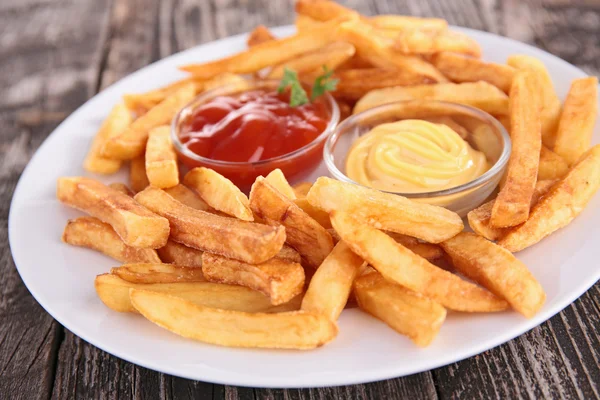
(323, 83)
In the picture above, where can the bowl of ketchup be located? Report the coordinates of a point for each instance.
(246, 130)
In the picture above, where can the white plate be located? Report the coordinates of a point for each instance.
(61, 277)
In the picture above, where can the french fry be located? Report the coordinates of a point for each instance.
(385, 211)
(552, 166)
(303, 233)
(288, 253)
(134, 224)
(161, 159)
(290, 330)
(576, 124)
(481, 95)
(460, 68)
(429, 251)
(565, 201)
(241, 240)
(330, 286)
(117, 121)
(219, 192)
(278, 181)
(404, 23)
(513, 202)
(418, 41)
(279, 279)
(400, 265)
(158, 273)
(114, 293)
(260, 34)
(301, 189)
(94, 234)
(131, 142)
(330, 56)
(320, 10)
(334, 235)
(496, 269)
(550, 103)
(146, 101)
(121, 187)
(138, 179)
(318, 215)
(405, 311)
(188, 197)
(179, 254)
(305, 23)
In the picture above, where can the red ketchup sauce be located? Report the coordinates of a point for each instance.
(254, 127)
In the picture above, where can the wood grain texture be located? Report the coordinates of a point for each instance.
(54, 55)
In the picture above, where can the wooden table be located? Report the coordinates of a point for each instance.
(56, 54)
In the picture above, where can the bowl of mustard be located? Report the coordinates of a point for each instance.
(441, 153)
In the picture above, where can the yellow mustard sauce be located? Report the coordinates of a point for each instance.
(413, 156)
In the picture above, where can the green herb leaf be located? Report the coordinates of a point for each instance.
(298, 95)
(323, 83)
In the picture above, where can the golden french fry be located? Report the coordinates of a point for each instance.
(405, 311)
(158, 273)
(386, 211)
(565, 201)
(460, 68)
(161, 160)
(137, 226)
(420, 41)
(260, 34)
(94, 234)
(179, 254)
(303, 233)
(301, 189)
(330, 286)
(329, 56)
(117, 121)
(188, 197)
(219, 192)
(146, 101)
(131, 142)
(512, 205)
(121, 187)
(244, 241)
(279, 279)
(320, 10)
(138, 179)
(481, 95)
(429, 251)
(318, 215)
(552, 166)
(278, 181)
(114, 293)
(496, 269)
(288, 253)
(576, 124)
(400, 265)
(290, 330)
(334, 235)
(404, 23)
(550, 103)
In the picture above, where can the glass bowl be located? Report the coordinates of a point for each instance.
(482, 131)
(296, 165)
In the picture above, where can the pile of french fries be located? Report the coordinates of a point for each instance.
(275, 269)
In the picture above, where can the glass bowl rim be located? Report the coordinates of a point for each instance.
(485, 177)
(253, 84)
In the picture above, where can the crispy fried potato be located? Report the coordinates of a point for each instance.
(301, 189)
(288, 253)
(481, 95)
(244, 241)
(512, 204)
(565, 201)
(260, 34)
(550, 103)
(321, 10)
(496, 269)
(404, 23)
(460, 68)
(400, 265)
(161, 160)
(146, 101)
(330, 286)
(290, 330)
(329, 56)
(121, 187)
(138, 179)
(304, 234)
(385, 211)
(552, 166)
(418, 41)
(131, 142)
(117, 121)
(179, 254)
(318, 215)
(158, 273)
(188, 197)
(114, 293)
(137, 226)
(94, 234)
(405, 311)
(576, 124)
(219, 192)
(334, 235)
(279, 279)
(278, 181)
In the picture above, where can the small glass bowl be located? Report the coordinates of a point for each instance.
(296, 165)
(482, 131)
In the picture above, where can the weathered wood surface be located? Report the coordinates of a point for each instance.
(54, 55)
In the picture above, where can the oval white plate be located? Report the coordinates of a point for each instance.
(61, 277)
